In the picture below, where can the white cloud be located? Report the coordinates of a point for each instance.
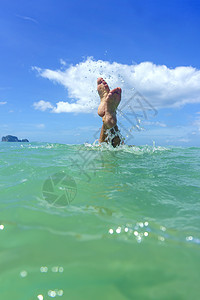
(197, 124)
(42, 105)
(3, 102)
(41, 126)
(184, 140)
(62, 62)
(161, 86)
(157, 123)
(27, 18)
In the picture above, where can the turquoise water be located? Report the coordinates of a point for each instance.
(90, 222)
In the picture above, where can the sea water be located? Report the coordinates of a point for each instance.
(92, 222)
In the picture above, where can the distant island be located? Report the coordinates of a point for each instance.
(11, 138)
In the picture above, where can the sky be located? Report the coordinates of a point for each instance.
(52, 52)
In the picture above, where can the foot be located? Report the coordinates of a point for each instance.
(110, 105)
(103, 90)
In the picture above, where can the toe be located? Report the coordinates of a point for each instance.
(116, 91)
(104, 83)
(99, 80)
(101, 83)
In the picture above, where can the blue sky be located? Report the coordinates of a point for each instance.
(54, 50)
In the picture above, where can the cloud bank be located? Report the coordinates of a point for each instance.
(159, 85)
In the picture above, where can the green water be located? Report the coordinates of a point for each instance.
(89, 222)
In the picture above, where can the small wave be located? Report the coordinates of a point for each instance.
(138, 150)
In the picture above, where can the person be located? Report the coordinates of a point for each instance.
(107, 111)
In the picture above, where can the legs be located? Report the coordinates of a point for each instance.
(107, 110)
(115, 141)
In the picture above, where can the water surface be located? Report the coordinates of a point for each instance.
(117, 223)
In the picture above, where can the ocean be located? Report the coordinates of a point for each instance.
(88, 222)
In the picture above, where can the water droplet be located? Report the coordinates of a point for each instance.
(23, 273)
(162, 228)
(161, 238)
(52, 293)
(189, 238)
(54, 269)
(61, 269)
(43, 269)
(60, 293)
(118, 230)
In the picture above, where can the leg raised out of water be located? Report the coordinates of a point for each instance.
(107, 110)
